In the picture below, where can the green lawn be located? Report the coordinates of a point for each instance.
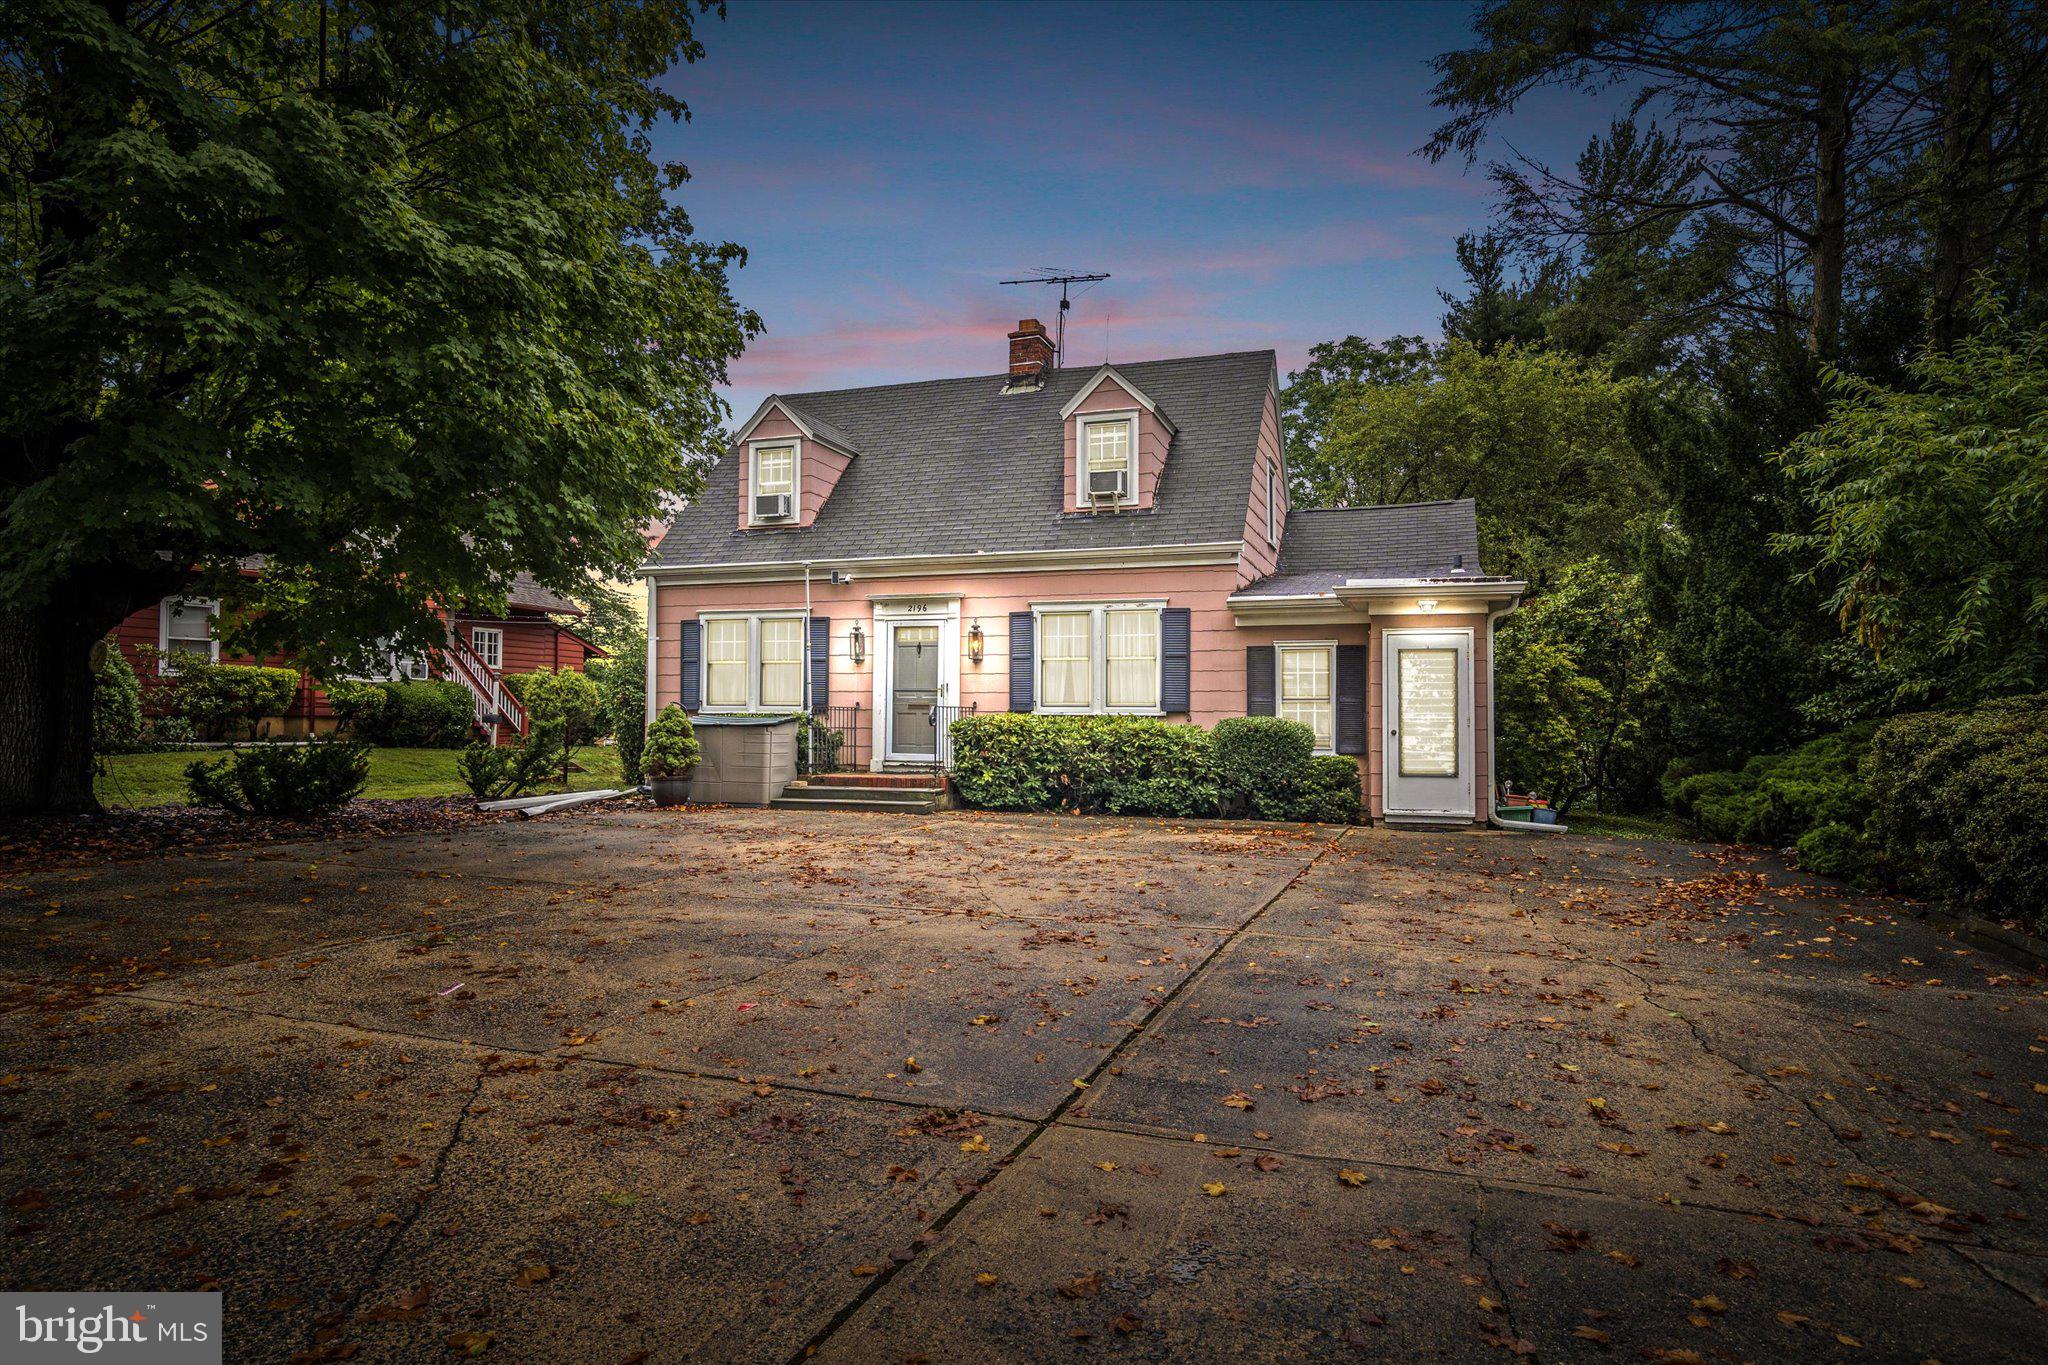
(159, 779)
(1616, 826)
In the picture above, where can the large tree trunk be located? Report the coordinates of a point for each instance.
(46, 708)
(1830, 215)
(46, 754)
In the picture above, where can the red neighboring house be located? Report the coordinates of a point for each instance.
(481, 650)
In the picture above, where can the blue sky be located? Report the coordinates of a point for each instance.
(1246, 173)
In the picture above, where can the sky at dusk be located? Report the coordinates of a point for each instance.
(1246, 173)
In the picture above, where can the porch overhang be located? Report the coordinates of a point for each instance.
(1359, 599)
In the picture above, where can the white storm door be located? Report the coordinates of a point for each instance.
(1428, 722)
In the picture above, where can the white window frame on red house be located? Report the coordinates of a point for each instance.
(1098, 656)
(795, 447)
(1084, 467)
(494, 657)
(164, 610)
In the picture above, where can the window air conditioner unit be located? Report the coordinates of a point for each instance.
(771, 507)
(1106, 485)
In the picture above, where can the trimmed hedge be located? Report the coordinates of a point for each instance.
(1136, 765)
(1260, 760)
(215, 697)
(431, 714)
(1957, 799)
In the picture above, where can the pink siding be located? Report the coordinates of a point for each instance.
(1217, 662)
(818, 469)
(1262, 556)
(1153, 440)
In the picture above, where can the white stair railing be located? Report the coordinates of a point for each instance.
(491, 702)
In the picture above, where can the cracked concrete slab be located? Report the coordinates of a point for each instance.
(484, 1064)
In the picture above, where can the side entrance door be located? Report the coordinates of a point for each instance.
(914, 691)
(1428, 722)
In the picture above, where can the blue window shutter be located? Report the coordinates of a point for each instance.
(821, 663)
(1023, 660)
(1175, 642)
(1351, 680)
(1259, 691)
(691, 634)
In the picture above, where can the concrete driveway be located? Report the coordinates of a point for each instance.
(640, 1085)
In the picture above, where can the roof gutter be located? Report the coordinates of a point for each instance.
(1205, 553)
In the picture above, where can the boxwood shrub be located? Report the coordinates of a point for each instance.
(282, 781)
(1260, 761)
(430, 714)
(1956, 805)
(1136, 765)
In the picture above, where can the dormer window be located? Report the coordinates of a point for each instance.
(774, 491)
(1109, 473)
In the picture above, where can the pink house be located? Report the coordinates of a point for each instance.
(1106, 539)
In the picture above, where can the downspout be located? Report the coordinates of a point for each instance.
(807, 637)
(653, 651)
(1493, 614)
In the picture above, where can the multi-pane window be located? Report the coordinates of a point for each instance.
(754, 663)
(1098, 658)
(1107, 446)
(1066, 672)
(188, 630)
(489, 644)
(1306, 692)
(726, 641)
(1133, 659)
(782, 663)
(774, 470)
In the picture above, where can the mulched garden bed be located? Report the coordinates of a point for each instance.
(117, 835)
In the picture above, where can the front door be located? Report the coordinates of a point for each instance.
(1428, 723)
(914, 692)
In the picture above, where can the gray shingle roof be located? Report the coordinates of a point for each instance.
(1321, 548)
(957, 466)
(525, 592)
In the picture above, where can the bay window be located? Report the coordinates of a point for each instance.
(1307, 694)
(1098, 659)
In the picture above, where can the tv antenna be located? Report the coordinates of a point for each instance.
(1051, 275)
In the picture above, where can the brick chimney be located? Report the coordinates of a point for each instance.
(1031, 358)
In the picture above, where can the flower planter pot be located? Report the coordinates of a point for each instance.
(670, 791)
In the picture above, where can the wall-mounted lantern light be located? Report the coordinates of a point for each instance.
(1426, 603)
(975, 643)
(857, 644)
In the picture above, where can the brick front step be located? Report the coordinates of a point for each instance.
(918, 781)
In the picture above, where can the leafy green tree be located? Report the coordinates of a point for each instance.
(612, 621)
(1930, 507)
(396, 296)
(1335, 372)
(1541, 440)
(1582, 687)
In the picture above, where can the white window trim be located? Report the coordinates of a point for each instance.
(1273, 503)
(1098, 657)
(164, 666)
(497, 632)
(753, 701)
(1280, 681)
(1082, 422)
(796, 477)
